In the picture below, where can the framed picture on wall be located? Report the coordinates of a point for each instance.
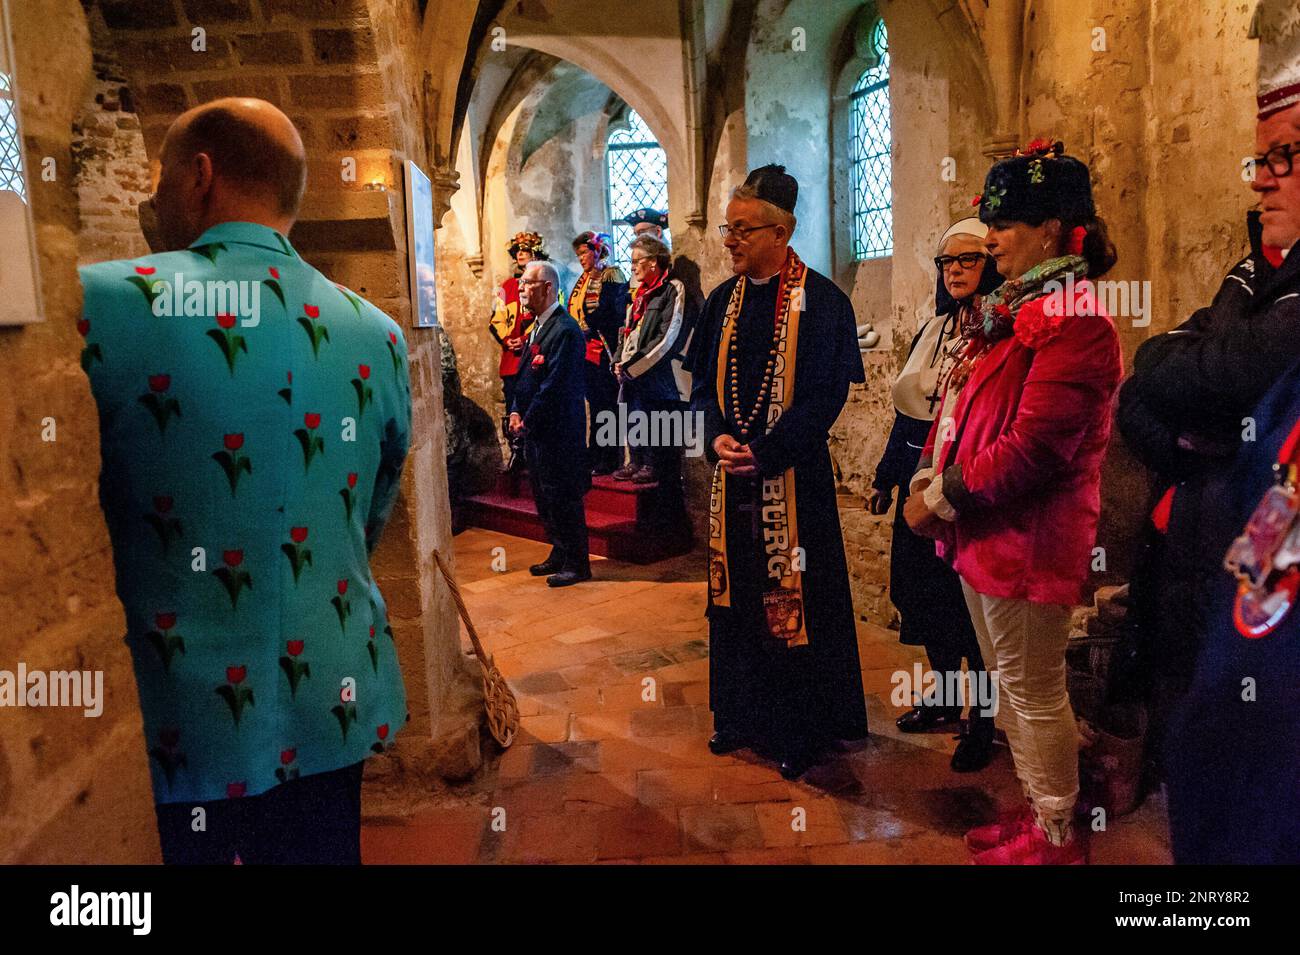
(20, 286)
(419, 246)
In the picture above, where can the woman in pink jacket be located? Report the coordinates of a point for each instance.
(1009, 481)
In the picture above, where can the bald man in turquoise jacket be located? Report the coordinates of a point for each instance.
(254, 420)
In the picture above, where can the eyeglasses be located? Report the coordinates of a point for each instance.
(637, 259)
(743, 232)
(1278, 159)
(967, 260)
(534, 282)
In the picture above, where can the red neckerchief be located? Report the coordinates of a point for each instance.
(640, 298)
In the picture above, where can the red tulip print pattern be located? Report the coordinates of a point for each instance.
(167, 527)
(230, 343)
(315, 331)
(348, 499)
(312, 443)
(235, 693)
(91, 352)
(288, 768)
(298, 554)
(365, 394)
(392, 352)
(160, 404)
(342, 606)
(167, 643)
(273, 283)
(382, 743)
(373, 650)
(287, 392)
(144, 281)
(233, 576)
(294, 668)
(235, 791)
(232, 462)
(168, 753)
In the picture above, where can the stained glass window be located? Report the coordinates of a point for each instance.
(870, 145)
(638, 177)
(11, 154)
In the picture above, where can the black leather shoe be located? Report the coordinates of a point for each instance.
(545, 568)
(974, 751)
(795, 764)
(566, 578)
(922, 718)
(720, 744)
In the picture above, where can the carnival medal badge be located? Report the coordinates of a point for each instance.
(1265, 559)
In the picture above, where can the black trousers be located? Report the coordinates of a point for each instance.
(559, 499)
(314, 820)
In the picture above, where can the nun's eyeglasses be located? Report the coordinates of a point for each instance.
(967, 260)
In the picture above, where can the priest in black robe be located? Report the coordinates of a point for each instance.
(784, 675)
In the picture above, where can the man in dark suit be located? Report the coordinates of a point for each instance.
(549, 408)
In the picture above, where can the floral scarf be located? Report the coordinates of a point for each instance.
(993, 317)
(1002, 304)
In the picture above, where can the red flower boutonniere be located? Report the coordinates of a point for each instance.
(1035, 328)
(539, 361)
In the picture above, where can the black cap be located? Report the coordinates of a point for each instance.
(773, 184)
(1037, 184)
(647, 214)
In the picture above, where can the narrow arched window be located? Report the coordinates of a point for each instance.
(11, 155)
(870, 146)
(638, 177)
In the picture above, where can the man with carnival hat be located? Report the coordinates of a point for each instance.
(648, 221)
(777, 352)
(1214, 407)
(510, 324)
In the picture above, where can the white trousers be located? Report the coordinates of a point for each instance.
(1025, 643)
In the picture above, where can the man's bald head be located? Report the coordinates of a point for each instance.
(252, 145)
(230, 160)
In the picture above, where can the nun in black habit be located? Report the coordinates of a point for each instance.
(923, 587)
(776, 352)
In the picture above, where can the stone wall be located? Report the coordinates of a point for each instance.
(72, 789)
(111, 167)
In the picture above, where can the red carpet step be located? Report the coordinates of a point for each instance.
(621, 518)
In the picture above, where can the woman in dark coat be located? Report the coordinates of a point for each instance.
(926, 591)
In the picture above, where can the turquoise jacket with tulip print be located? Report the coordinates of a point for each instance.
(249, 464)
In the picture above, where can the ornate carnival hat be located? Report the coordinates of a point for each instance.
(529, 242)
(601, 243)
(647, 214)
(1038, 183)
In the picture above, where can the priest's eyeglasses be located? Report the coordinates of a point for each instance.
(967, 260)
(743, 232)
(1278, 159)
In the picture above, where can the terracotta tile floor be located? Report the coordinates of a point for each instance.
(611, 762)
